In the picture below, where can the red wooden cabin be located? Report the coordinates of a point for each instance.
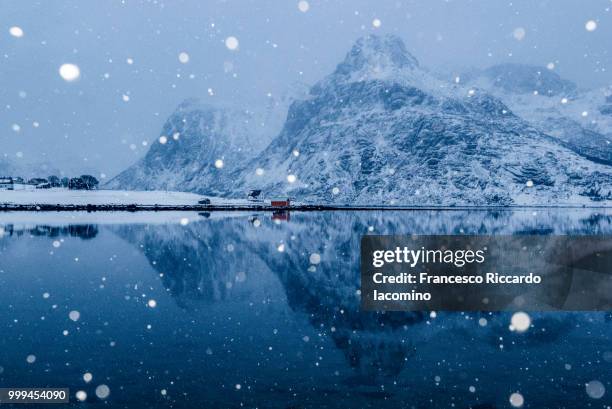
(281, 203)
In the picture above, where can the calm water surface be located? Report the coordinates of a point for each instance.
(229, 311)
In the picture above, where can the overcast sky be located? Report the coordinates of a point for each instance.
(131, 77)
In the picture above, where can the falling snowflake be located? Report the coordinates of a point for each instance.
(259, 171)
(87, 377)
(163, 140)
(519, 33)
(74, 315)
(16, 31)
(184, 221)
(291, 178)
(183, 57)
(231, 43)
(102, 391)
(517, 400)
(315, 258)
(31, 359)
(303, 6)
(81, 396)
(219, 164)
(69, 72)
(590, 25)
(376, 23)
(152, 303)
(595, 389)
(520, 322)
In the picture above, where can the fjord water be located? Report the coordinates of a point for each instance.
(232, 310)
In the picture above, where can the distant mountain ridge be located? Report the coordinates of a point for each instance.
(27, 170)
(580, 120)
(523, 78)
(381, 129)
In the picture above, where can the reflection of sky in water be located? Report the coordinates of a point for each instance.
(237, 321)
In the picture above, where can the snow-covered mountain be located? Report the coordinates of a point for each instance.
(198, 143)
(579, 119)
(381, 129)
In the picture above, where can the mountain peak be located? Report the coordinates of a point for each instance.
(374, 54)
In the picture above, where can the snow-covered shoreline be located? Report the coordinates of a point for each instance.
(65, 197)
(114, 200)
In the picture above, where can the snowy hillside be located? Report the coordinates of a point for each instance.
(381, 129)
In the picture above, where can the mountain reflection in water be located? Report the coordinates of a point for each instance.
(261, 311)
